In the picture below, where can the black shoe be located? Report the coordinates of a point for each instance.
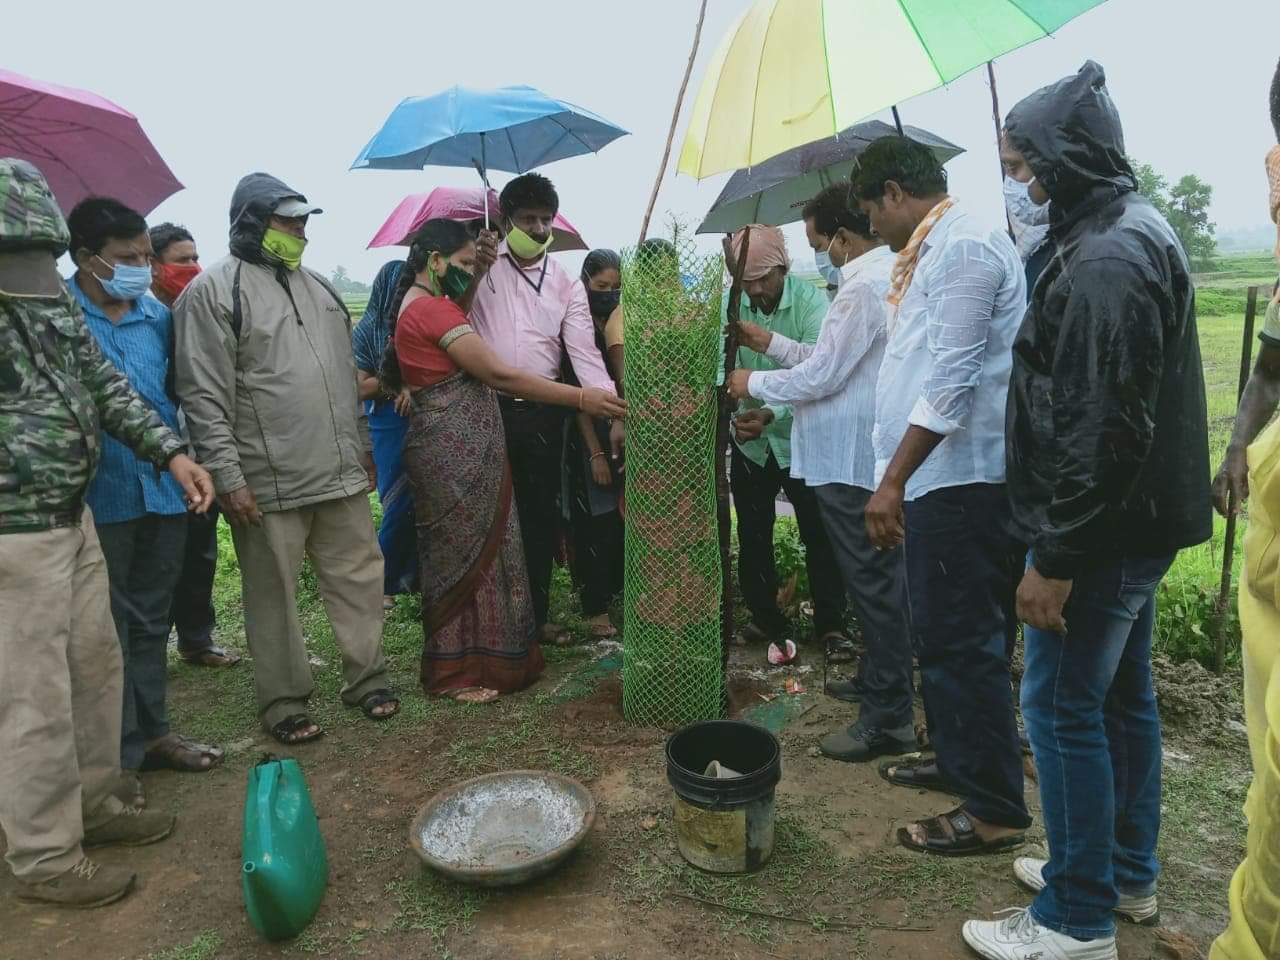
(849, 691)
(859, 743)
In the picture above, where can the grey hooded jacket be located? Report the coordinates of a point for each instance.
(269, 389)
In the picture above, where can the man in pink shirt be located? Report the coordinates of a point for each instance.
(532, 312)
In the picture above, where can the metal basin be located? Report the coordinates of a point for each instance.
(503, 828)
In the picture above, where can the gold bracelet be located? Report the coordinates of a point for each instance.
(598, 453)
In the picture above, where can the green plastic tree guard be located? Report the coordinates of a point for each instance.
(285, 868)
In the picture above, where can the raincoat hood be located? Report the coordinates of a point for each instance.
(1070, 134)
(252, 204)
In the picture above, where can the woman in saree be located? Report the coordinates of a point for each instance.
(477, 608)
(388, 424)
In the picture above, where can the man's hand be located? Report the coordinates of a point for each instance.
(404, 402)
(1040, 601)
(600, 472)
(753, 336)
(750, 424)
(738, 383)
(371, 468)
(195, 481)
(617, 442)
(486, 252)
(885, 525)
(241, 508)
(1231, 485)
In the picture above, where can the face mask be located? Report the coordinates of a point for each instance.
(126, 283)
(284, 247)
(1017, 197)
(172, 278)
(524, 246)
(603, 302)
(455, 282)
(829, 271)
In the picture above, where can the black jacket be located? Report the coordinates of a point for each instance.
(1107, 431)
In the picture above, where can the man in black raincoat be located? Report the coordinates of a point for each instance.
(1108, 473)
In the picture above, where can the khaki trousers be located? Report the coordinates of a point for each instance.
(60, 697)
(339, 539)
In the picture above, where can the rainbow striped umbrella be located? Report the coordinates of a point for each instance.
(790, 72)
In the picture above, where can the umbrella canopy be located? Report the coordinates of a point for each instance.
(776, 191)
(790, 72)
(84, 145)
(457, 203)
(512, 128)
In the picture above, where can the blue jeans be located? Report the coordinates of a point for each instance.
(963, 566)
(1090, 712)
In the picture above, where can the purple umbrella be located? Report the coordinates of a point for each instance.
(83, 144)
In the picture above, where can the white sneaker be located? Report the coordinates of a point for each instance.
(1144, 911)
(1019, 937)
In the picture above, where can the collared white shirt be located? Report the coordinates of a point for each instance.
(949, 355)
(832, 384)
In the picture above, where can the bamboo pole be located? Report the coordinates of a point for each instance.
(675, 119)
(1229, 545)
(737, 264)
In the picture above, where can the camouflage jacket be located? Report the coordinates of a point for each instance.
(56, 391)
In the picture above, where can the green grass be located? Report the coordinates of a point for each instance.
(204, 947)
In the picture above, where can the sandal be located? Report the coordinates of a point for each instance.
(961, 840)
(376, 698)
(176, 752)
(751, 634)
(473, 695)
(286, 731)
(918, 772)
(212, 657)
(602, 629)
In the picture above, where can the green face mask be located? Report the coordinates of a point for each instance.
(455, 282)
(524, 246)
(285, 247)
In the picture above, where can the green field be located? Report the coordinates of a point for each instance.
(1188, 601)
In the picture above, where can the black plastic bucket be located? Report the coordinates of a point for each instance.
(724, 825)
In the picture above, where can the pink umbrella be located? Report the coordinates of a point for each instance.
(84, 145)
(457, 203)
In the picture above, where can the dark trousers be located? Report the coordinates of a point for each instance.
(963, 568)
(755, 492)
(598, 552)
(535, 438)
(875, 582)
(192, 609)
(144, 559)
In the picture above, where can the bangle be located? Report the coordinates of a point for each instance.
(598, 453)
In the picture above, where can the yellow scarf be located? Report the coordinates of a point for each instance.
(905, 267)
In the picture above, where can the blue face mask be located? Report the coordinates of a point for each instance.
(828, 270)
(126, 283)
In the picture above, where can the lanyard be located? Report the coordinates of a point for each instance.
(537, 287)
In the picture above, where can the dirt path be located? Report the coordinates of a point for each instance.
(624, 897)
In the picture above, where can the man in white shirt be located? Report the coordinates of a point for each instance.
(832, 387)
(956, 301)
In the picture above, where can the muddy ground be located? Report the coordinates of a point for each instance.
(837, 886)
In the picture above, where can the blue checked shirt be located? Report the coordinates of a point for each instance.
(126, 487)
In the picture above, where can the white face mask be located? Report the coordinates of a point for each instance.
(829, 271)
(1017, 197)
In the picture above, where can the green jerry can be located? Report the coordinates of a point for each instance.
(285, 868)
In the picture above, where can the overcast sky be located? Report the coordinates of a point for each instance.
(298, 89)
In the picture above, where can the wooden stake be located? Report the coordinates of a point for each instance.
(1229, 544)
(675, 119)
(737, 264)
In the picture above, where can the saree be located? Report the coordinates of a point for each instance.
(387, 429)
(477, 609)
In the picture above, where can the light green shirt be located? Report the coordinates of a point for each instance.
(798, 317)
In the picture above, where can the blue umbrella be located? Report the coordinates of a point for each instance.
(511, 128)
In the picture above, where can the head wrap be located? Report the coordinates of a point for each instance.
(767, 249)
